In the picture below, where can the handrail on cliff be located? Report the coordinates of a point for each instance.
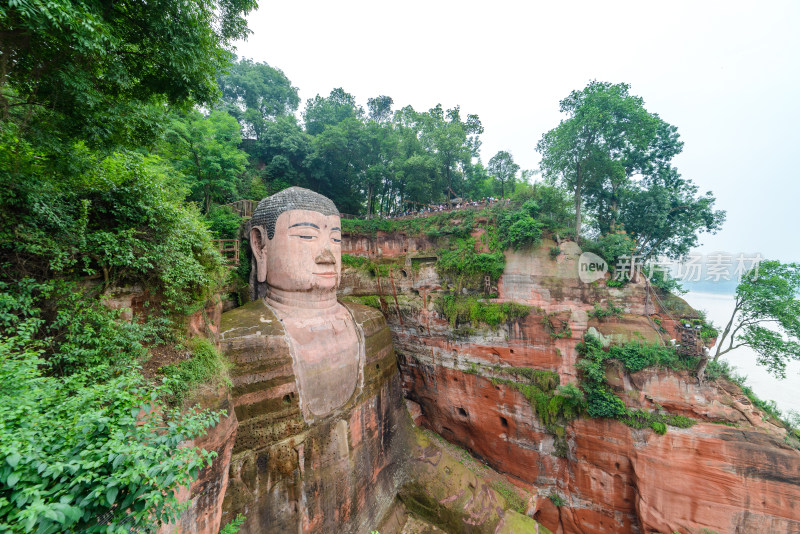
(244, 208)
(691, 344)
(229, 249)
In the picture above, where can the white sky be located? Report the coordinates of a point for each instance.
(725, 73)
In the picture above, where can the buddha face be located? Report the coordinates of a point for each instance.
(304, 255)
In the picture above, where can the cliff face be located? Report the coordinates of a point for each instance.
(731, 472)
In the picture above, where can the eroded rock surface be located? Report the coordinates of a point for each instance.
(732, 472)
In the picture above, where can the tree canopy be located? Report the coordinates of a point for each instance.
(94, 64)
(766, 317)
(616, 157)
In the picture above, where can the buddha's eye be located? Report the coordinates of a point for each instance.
(336, 240)
(306, 236)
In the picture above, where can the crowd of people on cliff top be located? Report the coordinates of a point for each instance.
(436, 208)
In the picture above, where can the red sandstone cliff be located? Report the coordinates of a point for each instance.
(731, 472)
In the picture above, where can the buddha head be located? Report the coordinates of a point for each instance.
(295, 236)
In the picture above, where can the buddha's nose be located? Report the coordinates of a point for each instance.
(326, 256)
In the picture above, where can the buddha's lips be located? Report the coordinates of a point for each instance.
(329, 273)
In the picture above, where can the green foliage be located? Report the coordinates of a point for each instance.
(553, 404)
(224, 223)
(234, 526)
(635, 356)
(503, 169)
(517, 229)
(357, 262)
(205, 366)
(554, 252)
(117, 218)
(598, 312)
(459, 309)
(86, 70)
(766, 316)
(611, 247)
(658, 427)
(556, 332)
(617, 159)
(83, 432)
(603, 403)
(256, 94)
(206, 150)
(465, 266)
(556, 499)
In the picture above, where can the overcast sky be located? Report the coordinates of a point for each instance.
(725, 73)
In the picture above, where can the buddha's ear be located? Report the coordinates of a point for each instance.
(258, 244)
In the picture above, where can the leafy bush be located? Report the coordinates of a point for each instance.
(518, 229)
(463, 309)
(610, 310)
(118, 218)
(224, 223)
(611, 247)
(602, 402)
(77, 447)
(635, 356)
(234, 526)
(463, 265)
(84, 434)
(206, 366)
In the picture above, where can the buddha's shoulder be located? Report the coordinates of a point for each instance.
(368, 318)
(252, 319)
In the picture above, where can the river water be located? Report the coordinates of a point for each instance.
(786, 392)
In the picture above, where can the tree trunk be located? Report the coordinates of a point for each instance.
(578, 204)
(700, 372)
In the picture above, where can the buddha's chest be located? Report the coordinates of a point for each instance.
(327, 353)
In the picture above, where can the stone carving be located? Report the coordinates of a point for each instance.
(295, 237)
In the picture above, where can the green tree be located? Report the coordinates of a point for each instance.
(284, 149)
(664, 215)
(206, 150)
(256, 94)
(88, 68)
(607, 138)
(321, 112)
(766, 317)
(503, 169)
(338, 163)
(615, 157)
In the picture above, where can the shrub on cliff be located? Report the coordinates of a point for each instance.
(462, 309)
(87, 443)
(465, 267)
(635, 356)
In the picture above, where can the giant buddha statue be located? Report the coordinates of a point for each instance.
(296, 240)
(316, 388)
